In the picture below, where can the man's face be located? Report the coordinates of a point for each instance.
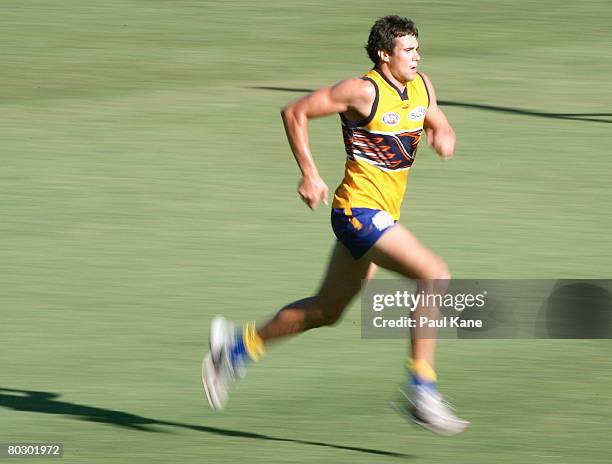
(405, 58)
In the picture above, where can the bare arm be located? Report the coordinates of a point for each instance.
(353, 96)
(440, 134)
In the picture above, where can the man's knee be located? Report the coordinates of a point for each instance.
(443, 273)
(328, 312)
(330, 319)
(436, 278)
(438, 270)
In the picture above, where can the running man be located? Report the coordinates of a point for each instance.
(383, 115)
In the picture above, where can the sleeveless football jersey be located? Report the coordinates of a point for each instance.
(381, 149)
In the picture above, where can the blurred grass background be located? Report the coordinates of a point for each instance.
(146, 185)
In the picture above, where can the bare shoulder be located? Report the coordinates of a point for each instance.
(349, 95)
(355, 88)
(358, 94)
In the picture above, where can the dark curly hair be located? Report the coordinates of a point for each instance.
(384, 32)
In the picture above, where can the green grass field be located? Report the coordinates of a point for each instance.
(146, 185)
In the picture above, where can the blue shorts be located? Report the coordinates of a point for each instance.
(359, 228)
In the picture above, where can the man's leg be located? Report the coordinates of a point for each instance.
(340, 285)
(398, 250)
(230, 350)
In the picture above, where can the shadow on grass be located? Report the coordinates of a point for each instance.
(48, 403)
(589, 117)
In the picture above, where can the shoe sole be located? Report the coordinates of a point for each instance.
(211, 396)
(220, 331)
(411, 417)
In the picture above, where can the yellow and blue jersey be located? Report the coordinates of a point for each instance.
(381, 149)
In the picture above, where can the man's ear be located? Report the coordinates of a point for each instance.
(383, 55)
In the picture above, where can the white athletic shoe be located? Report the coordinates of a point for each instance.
(428, 409)
(219, 373)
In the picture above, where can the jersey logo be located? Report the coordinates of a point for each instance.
(391, 118)
(389, 152)
(417, 113)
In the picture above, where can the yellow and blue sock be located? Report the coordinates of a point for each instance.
(421, 374)
(248, 345)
